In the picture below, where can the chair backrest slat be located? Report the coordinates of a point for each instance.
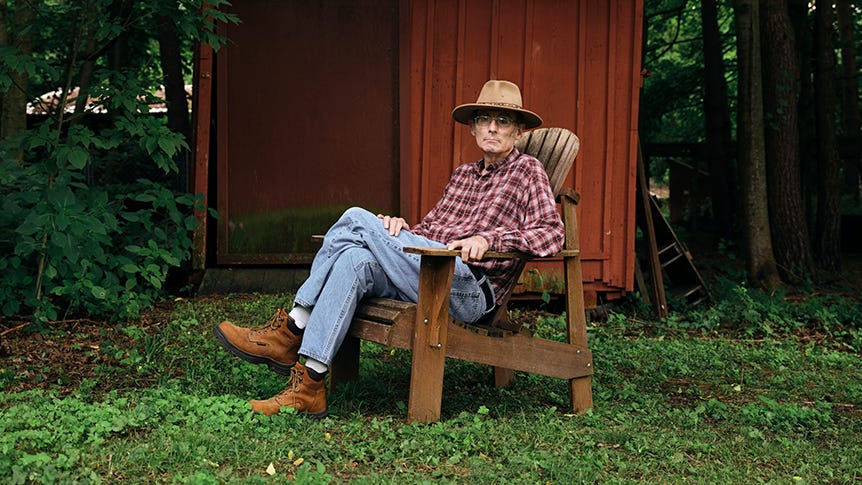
(556, 148)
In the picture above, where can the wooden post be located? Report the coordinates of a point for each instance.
(429, 338)
(580, 388)
(649, 234)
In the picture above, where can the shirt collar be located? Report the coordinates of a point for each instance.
(513, 155)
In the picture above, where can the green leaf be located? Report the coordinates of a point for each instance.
(99, 292)
(170, 259)
(168, 146)
(130, 268)
(78, 157)
(62, 222)
(33, 223)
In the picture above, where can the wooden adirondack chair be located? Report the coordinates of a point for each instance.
(427, 329)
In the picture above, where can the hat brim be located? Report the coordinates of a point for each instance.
(464, 113)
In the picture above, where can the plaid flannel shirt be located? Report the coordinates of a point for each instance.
(511, 206)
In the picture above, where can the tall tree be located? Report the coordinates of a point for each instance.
(176, 99)
(827, 240)
(805, 113)
(15, 18)
(717, 116)
(850, 118)
(791, 244)
(761, 265)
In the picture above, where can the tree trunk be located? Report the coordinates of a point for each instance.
(805, 112)
(827, 240)
(13, 103)
(718, 139)
(791, 244)
(172, 69)
(175, 93)
(762, 271)
(850, 119)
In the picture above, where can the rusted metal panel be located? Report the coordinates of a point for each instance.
(577, 61)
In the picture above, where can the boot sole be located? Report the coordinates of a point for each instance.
(283, 369)
(305, 414)
(320, 415)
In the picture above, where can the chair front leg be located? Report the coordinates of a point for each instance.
(429, 338)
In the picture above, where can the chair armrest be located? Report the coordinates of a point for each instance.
(426, 251)
(421, 250)
(569, 194)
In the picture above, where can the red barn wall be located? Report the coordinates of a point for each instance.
(577, 62)
(578, 65)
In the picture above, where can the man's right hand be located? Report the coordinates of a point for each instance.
(472, 249)
(394, 224)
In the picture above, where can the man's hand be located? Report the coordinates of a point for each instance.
(394, 224)
(472, 249)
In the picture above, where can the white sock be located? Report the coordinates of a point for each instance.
(300, 316)
(316, 365)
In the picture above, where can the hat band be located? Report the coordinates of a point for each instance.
(507, 105)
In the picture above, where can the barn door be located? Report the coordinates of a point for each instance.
(307, 123)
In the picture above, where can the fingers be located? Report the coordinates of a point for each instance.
(394, 224)
(472, 248)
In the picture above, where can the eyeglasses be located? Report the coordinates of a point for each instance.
(502, 121)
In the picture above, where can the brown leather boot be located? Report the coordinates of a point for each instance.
(303, 394)
(274, 344)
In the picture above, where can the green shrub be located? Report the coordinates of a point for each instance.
(88, 224)
(75, 247)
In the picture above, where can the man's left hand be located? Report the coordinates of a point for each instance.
(472, 249)
(394, 224)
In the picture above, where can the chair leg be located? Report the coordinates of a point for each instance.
(503, 377)
(426, 385)
(581, 394)
(345, 365)
(429, 338)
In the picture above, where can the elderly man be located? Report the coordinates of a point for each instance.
(503, 202)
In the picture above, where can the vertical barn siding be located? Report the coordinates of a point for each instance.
(577, 61)
(305, 128)
(578, 64)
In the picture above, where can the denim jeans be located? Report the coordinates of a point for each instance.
(358, 259)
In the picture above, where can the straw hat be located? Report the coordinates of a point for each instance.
(497, 95)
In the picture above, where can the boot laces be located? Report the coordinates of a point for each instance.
(293, 385)
(273, 324)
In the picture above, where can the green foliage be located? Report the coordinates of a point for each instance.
(74, 246)
(667, 409)
(672, 99)
(88, 225)
(63, 32)
(757, 314)
(769, 414)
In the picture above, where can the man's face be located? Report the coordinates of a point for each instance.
(496, 131)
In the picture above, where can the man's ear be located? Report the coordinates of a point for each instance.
(519, 132)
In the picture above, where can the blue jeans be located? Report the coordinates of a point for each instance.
(358, 259)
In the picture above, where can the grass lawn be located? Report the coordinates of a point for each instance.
(691, 399)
